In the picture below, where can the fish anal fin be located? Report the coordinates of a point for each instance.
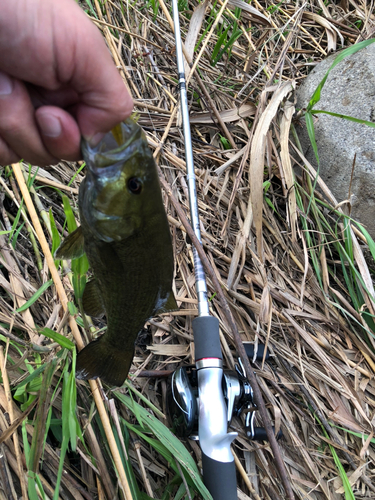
(169, 305)
(92, 300)
(72, 247)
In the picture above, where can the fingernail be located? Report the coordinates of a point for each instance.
(50, 126)
(95, 139)
(6, 84)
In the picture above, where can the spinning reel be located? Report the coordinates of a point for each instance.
(183, 399)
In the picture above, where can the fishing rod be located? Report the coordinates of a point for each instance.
(219, 473)
(204, 399)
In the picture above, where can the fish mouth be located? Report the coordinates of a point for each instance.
(111, 150)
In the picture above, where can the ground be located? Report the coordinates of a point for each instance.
(295, 273)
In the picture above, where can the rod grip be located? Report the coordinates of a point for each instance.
(219, 478)
(206, 337)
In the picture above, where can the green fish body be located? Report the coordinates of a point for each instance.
(125, 234)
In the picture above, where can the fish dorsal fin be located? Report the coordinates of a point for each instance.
(92, 300)
(170, 305)
(72, 246)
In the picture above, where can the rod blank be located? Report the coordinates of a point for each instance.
(200, 277)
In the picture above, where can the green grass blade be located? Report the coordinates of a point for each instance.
(345, 117)
(63, 450)
(83, 164)
(70, 425)
(236, 34)
(56, 240)
(16, 234)
(80, 266)
(165, 436)
(210, 22)
(39, 435)
(347, 52)
(92, 10)
(35, 297)
(155, 443)
(131, 387)
(218, 45)
(357, 434)
(57, 337)
(181, 492)
(127, 464)
(70, 219)
(16, 220)
(32, 376)
(31, 486)
(311, 131)
(369, 240)
(40, 487)
(349, 495)
(25, 439)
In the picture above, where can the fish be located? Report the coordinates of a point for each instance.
(125, 234)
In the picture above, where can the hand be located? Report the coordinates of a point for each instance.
(57, 82)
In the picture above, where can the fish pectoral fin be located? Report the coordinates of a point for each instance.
(72, 246)
(92, 300)
(170, 305)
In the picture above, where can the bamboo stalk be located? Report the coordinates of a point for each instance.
(94, 384)
(56, 184)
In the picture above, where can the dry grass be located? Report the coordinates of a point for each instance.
(283, 270)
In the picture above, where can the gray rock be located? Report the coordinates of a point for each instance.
(349, 90)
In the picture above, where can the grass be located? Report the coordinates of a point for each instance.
(309, 294)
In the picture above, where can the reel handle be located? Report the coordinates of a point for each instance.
(260, 433)
(249, 349)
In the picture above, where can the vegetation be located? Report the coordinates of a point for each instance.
(296, 271)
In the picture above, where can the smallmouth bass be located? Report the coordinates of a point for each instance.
(125, 234)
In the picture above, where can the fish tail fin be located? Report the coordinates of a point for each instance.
(101, 359)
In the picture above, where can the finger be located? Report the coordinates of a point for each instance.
(104, 98)
(18, 127)
(70, 52)
(63, 97)
(99, 113)
(60, 132)
(7, 156)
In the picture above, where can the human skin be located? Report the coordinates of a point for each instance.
(57, 82)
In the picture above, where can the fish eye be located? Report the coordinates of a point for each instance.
(135, 185)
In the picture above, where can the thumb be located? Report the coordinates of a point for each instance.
(98, 114)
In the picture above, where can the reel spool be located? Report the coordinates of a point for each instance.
(183, 398)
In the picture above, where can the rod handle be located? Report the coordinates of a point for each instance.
(206, 337)
(219, 478)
